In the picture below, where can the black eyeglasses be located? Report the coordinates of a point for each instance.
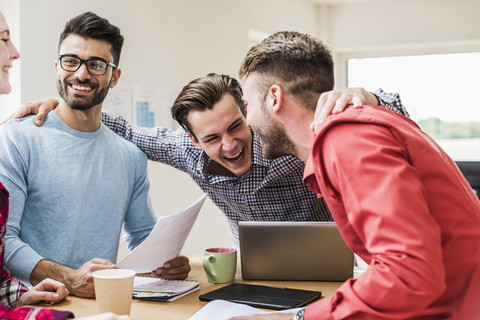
(95, 66)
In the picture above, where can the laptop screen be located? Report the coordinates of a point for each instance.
(294, 251)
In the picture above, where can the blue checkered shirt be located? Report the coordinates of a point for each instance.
(272, 190)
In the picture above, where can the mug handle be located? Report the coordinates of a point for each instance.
(207, 263)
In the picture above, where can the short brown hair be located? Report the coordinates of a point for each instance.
(88, 25)
(202, 94)
(301, 64)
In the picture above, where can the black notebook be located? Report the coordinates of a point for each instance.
(276, 298)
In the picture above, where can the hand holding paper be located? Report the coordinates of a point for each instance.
(164, 242)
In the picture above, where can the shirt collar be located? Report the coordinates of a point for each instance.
(257, 152)
(309, 176)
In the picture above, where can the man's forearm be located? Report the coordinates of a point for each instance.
(78, 281)
(48, 269)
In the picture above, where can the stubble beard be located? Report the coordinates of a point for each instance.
(274, 139)
(81, 104)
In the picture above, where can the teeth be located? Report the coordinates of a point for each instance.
(5, 69)
(81, 88)
(236, 155)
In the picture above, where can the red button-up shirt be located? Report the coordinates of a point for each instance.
(403, 206)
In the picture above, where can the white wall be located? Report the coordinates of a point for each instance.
(10, 10)
(167, 43)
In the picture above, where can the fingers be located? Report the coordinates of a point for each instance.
(34, 296)
(335, 101)
(96, 264)
(49, 284)
(357, 102)
(47, 297)
(52, 291)
(177, 262)
(101, 261)
(40, 118)
(325, 105)
(80, 281)
(25, 109)
(178, 273)
(177, 268)
(99, 264)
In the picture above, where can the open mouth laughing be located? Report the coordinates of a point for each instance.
(236, 157)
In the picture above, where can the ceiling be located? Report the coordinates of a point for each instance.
(334, 2)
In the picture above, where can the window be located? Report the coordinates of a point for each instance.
(440, 91)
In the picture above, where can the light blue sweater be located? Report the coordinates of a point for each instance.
(70, 193)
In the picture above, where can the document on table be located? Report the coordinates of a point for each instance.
(164, 242)
(156, 289)
(223, 310)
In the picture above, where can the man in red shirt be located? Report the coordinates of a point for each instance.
(399, 201)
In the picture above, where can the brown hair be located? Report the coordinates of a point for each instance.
(301, 64)
(90, 26)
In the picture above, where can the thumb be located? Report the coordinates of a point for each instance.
(40, 118)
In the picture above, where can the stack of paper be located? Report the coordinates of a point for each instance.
(224, 310)
(162, 290)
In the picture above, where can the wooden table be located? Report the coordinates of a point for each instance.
(186, 306)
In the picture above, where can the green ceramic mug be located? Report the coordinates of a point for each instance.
(220, 264)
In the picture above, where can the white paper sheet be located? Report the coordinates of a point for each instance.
(164, 242)
(223, 310)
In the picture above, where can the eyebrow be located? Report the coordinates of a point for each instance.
(234, 123)
(76, 56)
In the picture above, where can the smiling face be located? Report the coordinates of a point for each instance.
(223, 134)
(8, 53)
(80, 89)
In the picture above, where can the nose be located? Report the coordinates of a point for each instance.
(82, 72)
(228, 142)
(14, 54)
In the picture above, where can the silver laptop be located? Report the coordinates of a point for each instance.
(294, 251)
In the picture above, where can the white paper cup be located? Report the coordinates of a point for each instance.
(113, 290)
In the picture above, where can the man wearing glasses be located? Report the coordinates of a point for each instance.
(75, 183)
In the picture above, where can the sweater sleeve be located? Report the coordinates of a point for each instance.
(20, 258)
(140, 218)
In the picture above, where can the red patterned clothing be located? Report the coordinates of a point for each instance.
(33, 314)
(403, 206)
(10, 288)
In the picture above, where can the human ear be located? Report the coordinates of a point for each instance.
(115, 77)
(195, 141)
(275, 95)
